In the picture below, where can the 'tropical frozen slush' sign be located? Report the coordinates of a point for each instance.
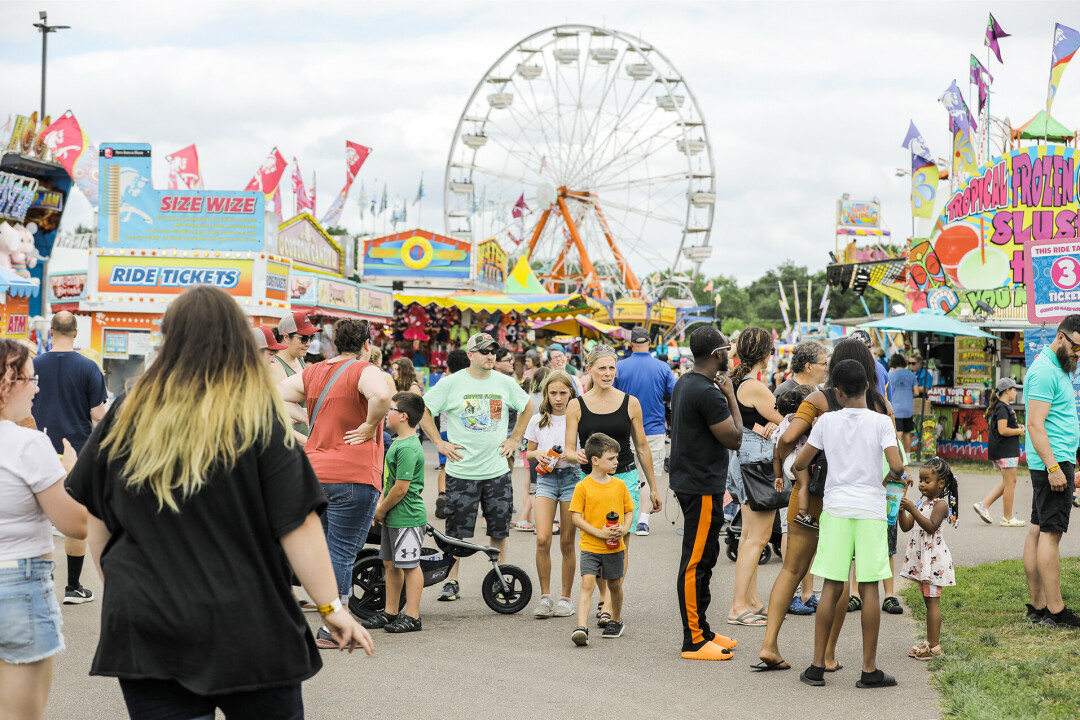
(1024, 196)
(1053, 288)
(134, 214)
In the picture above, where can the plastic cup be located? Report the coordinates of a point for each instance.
(975, 274)
(894, 491)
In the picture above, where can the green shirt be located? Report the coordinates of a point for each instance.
(1047, 382)
(405, 462)
(477, 420)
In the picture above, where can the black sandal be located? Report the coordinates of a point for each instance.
(599, 608)
(807, 521)
(603, 619)
(378, 620)
(403, 624)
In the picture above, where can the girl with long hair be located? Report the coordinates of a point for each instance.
(32, 498)
(802, 542)
(405, 376)
(197, 494)
(1004, 452)
(554, 490)
(604, 409)
(535, 387)
(760, 419)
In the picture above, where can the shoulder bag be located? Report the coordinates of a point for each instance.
(326, 391)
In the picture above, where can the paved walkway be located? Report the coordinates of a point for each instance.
(472, 663)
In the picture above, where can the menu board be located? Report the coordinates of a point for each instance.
(974, 365)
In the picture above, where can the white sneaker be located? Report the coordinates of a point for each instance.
(982, 513)
(563, 608)
(544, 608)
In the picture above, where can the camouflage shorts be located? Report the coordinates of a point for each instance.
(464, 497)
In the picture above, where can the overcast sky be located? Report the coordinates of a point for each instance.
(804, 101)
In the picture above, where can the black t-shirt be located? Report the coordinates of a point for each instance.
(70, 386)
(202, 596)
(1003, 447)
(699, 462)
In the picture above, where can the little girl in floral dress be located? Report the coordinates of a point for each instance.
(927, 559)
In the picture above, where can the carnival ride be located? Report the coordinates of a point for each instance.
(584, 149)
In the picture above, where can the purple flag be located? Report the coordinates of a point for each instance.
(993, 34)
(959, 114)
(917, 145)
(981, 77)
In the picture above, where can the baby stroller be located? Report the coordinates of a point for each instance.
(733, 532)
(506, 589)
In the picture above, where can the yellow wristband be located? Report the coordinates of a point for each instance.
(1052, 469)
(333, 607)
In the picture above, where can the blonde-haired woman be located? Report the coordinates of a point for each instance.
(31, 497)
(199, 503)
(603, 409)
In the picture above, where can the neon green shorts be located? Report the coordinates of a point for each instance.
(841, 539)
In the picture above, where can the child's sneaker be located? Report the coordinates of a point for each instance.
(563, 608)
(892, 606)
(450, 591)
(379, 620)
(545, 608)
(324, 640)
(580, 636)
(613, 629)
(404, 623)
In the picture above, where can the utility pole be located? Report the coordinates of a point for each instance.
(45, 29)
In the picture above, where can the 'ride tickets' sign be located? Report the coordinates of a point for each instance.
(134, 214)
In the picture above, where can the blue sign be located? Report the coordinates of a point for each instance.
(133, 214)
(1053, 285)
(1034, 342)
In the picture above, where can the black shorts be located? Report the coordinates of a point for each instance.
(905, 424)
(1050, 510)
(465, 497)
(892, 540)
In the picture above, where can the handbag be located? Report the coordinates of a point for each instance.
(760, 486)
(819, 469)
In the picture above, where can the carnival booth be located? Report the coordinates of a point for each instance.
(154, 244)
(974, 268)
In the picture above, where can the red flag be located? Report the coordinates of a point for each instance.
(184, 169)
(355, 155)
(520, 206)
(268, 175)
(304, 202)
(277, 202)
(70, 147)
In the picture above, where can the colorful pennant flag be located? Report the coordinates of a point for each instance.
(1066, 43)
(708, 287)
(70, 147)
(363, 201)
(420, 190)
(382, 202)
(981, 77)
(277, 202)
(355, 155)
(184, 169)
(519, 207)
(924, 174)
(993, 34)
(268, 176)
(953, 100)
(302, 201)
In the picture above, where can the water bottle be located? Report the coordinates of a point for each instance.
(547, 462)
(612, 521)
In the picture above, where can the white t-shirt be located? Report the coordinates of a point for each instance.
(30, 466)
(548, 437)
(853, 440)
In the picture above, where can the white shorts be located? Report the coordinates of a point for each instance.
(402, 545)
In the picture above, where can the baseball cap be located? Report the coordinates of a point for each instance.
(296, 322)
(481, 341)
(639, 334)
(862, 336)
(556, 347)
(264, 338)
(1006, 383)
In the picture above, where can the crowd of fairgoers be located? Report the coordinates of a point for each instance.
(176, 494)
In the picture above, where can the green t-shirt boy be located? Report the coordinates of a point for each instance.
(405, 461)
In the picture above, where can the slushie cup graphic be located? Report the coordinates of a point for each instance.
(893, 492)
(973, 273)
(952, 245)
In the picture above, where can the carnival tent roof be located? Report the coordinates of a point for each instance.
(1036, 129)
(522, 280)
(930, 322)
(575, 325)
(15, 284)
(493, 301)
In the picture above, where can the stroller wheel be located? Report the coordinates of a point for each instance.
(732, 551)
(766, 553)
(369, 587)
(518, 596)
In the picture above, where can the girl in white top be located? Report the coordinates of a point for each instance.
(32, 496)
(555, 489)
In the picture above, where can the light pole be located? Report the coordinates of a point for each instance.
(45, 29)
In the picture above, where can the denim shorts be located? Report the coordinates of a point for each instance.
(754, 448)
(30, 617)
(559, 484)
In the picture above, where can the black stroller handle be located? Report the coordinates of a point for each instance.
(458, 547)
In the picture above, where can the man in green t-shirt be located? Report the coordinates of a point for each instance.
(1053, 436)
(402, 514)
(476, 401)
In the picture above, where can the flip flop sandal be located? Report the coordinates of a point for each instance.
(807, 522)
(749, 619)
(765, 667)
(839, 666)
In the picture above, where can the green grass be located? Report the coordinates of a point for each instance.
(996, 664)
(981, 467)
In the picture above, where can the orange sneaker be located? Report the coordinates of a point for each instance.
(708, 651)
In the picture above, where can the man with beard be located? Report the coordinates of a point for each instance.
(1053, 435)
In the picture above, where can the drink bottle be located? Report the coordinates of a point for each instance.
(547, 462)
(612, 521)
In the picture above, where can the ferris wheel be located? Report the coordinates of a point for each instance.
(585, 150)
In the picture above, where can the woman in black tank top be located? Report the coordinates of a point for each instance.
(612, 412)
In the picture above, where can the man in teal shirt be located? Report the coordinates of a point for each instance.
(477, 401)
(1053, 436)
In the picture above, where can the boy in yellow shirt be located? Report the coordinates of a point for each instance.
(602, 510)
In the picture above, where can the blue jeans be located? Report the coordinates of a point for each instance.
(346, 523)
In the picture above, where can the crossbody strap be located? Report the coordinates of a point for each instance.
(326, 391)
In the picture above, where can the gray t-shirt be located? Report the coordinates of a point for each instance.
(783, 387)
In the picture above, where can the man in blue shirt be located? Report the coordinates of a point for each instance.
(651, 382)
(923, 379)
(901, 395)
(1053, 434)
